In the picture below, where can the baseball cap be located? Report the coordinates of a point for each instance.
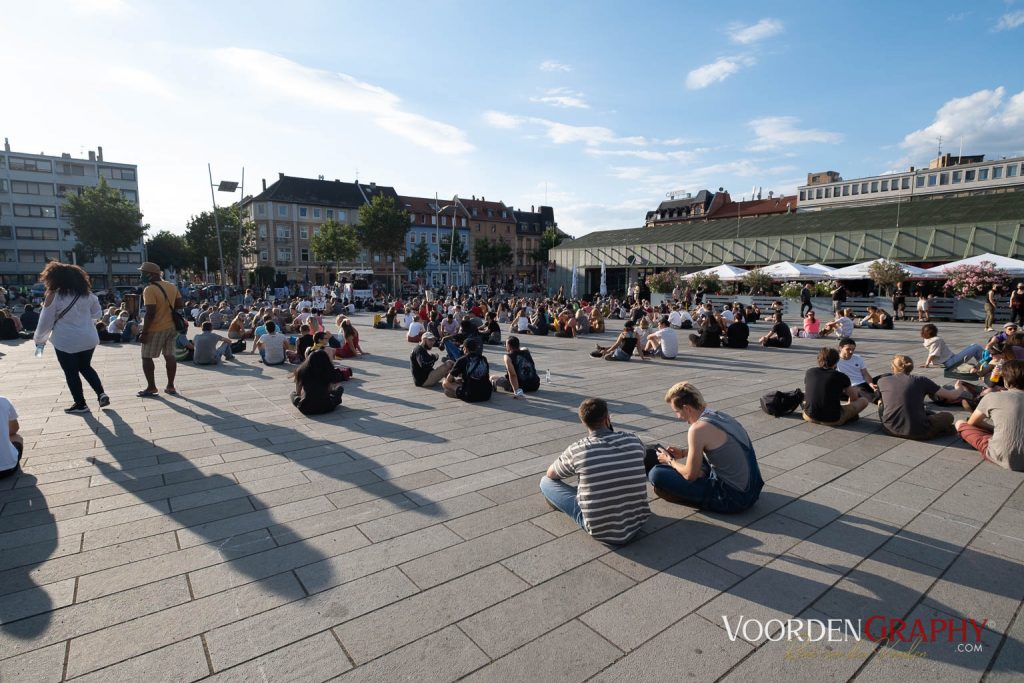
(429, 335)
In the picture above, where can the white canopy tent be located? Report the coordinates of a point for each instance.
(725, 273)
(787, 270)
(1015, 267)
(860, 271)
(823, 269)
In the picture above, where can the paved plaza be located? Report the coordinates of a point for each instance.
(221, 533)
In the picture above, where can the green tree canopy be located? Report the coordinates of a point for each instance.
(492, 254)
(887, 273)
(263, 276)
(201, 237)
(758, 281)
(104, 223)
(382, 226)
(548, 241)
(167, 249)
(335, 243)
(418, 258)
(458, 255)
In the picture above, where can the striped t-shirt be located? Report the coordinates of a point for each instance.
(612, 491)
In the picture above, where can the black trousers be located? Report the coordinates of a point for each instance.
(76, 366)
(805, 308)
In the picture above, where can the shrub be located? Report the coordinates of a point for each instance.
(664, 282)
(969, 280)
(711, 283)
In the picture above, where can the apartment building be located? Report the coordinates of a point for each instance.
(530, 228)
(428, 225)
(289, 213)
(33, 229)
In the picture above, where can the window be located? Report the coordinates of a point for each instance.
(508, 229)
(997, 172)
(919, 181)
(931, 179)
(803, 195)
(342, 214)
(957, 177)
(117, 173)
(473, 212)
(284, 256)
(6, 232)
(864, 188)
(316, 212)
(303, 211)
(490, 213)
(982, 174)
(63, 190)
(71, 169)
(3, 183)
(433, 238)
(37, 233)
(412, 218)
(828, 193)
(282, 211)
(264, 255)
(31, 211)
(433, 220)
(969, 176)
(22, 187)
(127, 257)
(874, 186)
(943, 179)
(38, 255)
(846, 190)
(284, 232)
(885, 186)
(262, 230)
(130, 195)
(412, 238)
(856, 189)
(493, 228)
(1011, 171)
(261, 209)
(330, 213)
(376, 258)
(464, 219)
(303, 233)
(35, 165)
(423, 238)
(905, 183)
(6, 256)
(304, 255)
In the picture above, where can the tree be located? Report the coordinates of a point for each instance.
(548, 241)
(758, 281)
(711, 282)
(201, 236)
(458, 255)
(382, 227)
(491, 254)
(263, 276)
(417, 259)
(335, 243)
(104, 223)
(887, 273)
(663, 282)
(167, 249)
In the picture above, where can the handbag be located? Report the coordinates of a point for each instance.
(180, 325)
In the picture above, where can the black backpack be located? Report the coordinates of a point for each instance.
(779, 403)
(477, 369)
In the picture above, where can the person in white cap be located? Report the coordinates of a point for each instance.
(424, 374)
(158, 333)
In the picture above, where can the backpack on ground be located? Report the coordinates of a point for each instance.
(779, 403)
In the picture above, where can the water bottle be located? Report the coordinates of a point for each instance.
(547, 377)
(39, 350)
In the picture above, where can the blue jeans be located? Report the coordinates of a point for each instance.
(707, 493)
(975, 351)
(563, 497)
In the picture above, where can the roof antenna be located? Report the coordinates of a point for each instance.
(940, 147)
(357, 175)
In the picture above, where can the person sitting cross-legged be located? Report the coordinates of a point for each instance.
(272, 346)
(717, 470)
(902, 411)
(824, 390)
(210, 348)
(470, 377)
(996, 427)
(780, 336)
(318, 387)
(424, 374)
(663, 342)
(520, 371)
(610, 501)
(624, 346)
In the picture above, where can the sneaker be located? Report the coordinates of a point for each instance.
(104, 400)
(77, 408)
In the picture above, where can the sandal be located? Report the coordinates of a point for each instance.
(171, 392)
(145, 393)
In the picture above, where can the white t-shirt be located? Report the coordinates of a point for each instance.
(851, 367)
(74, 332)
(416, 328)
(727, 316)
(8, 453)
(845, 327)
(937, 347)
(669, 341)
(273, 348)
(675, 319)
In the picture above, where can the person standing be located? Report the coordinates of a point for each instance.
(899, 302)
(990, 308)
(1016, 305)
(158, 334)
(838, 298)
(70, 312)
(805, 299)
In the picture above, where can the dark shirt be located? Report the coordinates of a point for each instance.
(805, 295)
(628, 345)
(29, 320)
(782, 331)
(737, 336)
(316, 393)
(541, 324)
(710, 335)
(839, 295)
(526, 370)
(476, 378)
(824, 390)
(302, 345)
(422, 362)
(8, 330)
(903, 397)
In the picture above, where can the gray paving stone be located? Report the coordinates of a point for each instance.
(251, 521)
(555, 557)
(317, 658)
(182, 661)
(426, 515)
(44, 664)
(403, 622)
(444, 656)
(500, 629)
(743, 552)
(498, 517)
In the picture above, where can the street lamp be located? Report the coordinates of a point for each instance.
(437, 230)
(227, 186)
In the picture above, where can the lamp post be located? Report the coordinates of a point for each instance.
(438, 210)
(226, 186)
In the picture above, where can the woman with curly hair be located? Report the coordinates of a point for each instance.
(68, 319)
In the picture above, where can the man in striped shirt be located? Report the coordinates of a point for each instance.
(610, 502)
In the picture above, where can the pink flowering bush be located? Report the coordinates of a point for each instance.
(664, 282)
(967, 281)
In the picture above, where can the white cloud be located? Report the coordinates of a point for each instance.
(563, 98)
(716, 71)
(774, 132)
(645, 154)
(552, 65)
(563, 133)
(986, 123)
(143, 82)
(745, 35)
(1010, 20)
(343, 93)
(497, 119)
(100, 6)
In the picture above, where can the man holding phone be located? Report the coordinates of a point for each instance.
(610, 502)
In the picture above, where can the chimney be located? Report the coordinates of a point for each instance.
(7, 145)
(280, 176)
(99, 153)
(373, 185)
(337, 180)
(65, 155)
(264, 184)
(531, 209)
(770, 193)
(92, 155)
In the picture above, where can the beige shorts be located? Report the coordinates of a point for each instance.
(159, 343)
(848, 412)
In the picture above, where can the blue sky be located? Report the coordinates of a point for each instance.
(599, 107)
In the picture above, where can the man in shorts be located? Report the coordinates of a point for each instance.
(158, 333)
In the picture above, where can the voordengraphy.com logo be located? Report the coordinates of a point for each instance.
(875, 629)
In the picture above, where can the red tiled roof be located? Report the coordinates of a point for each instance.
(755, 207)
